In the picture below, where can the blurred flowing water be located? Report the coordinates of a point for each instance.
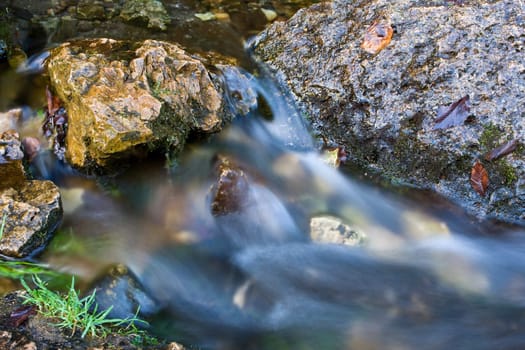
(251, 278)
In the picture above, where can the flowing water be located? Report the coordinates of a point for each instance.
(251, 278)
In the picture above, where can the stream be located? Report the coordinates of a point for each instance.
(425, 276)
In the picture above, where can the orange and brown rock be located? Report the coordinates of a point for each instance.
(123, 97)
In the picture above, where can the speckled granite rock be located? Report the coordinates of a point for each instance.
(383, 108)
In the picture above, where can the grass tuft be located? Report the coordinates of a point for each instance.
(75, 313)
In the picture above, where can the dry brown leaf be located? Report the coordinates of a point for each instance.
(453, 115)
(479, 178)
(502, 150)
(377, 37)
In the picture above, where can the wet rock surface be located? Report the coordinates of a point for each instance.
(383, 108)
(126, 98)
(230, 193)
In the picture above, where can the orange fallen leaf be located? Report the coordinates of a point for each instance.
(479, 178)
(377, 37)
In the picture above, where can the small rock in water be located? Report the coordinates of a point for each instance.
(333, 157)
(269, 14)
(329, 229)
(206, 16)
(31, 146)
(230, 192)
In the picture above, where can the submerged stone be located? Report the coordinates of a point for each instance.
(126, 98)
(121, 290)
(329, 229)
(383, 107)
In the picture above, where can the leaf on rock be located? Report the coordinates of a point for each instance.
(479, 178)
(377, 37)
(53, 102)
(502, 150)
(453, 115)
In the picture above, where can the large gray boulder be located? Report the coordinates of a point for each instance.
(383, 105)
